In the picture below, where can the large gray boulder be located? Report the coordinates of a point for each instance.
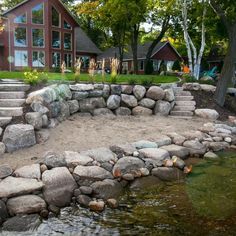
(85, 175)
(73, 106)
(123, 149)
(18, 136)
(175, 150)
(116, 89)
(176, 138)
(89, 104)
(147, 102)
(34, 119)
(106, 90)
(169, 95)
(64, 91)
(113, 102)
(82, 87)
(79, 95)
(163, 140)
(127, 89)
(75, 159)
(141, 111)
(123, 111)
(53, 159)
(156, 93)
(129, 100)
(127, 165)
(218, 146)
(192, 86)
(30, 171)
(102, 112)
(162, 108)
(39, 107)
(210, 114)
(3, 211)
(195, 147)
(5, 170)
(59, 186)
(168, 173)
(107, 189)
(95, 93)
(139, 91)
(144, 144)
(65, 110)
(27, 204)
(54, 109)
(11, 186)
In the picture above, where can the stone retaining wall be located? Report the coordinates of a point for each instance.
(97, 177)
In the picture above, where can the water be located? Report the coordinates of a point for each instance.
(204, 205)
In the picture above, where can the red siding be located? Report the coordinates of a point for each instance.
(167, 53)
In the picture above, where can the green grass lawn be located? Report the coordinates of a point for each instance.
(156, 79)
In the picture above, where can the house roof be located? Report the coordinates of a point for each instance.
(142, 51)
(84, 43)
(25, 1)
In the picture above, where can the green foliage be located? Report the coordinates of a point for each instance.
(176, 66)
(114, 79)
(32, 77)
(76, 78)
(147, 82)
(149, 68)
(132, 81)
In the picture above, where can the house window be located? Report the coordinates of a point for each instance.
(67, 41)
(85, 62)
(37, 14)
(56, 59)
(67, 25)
(68, 60)
(56, 41)
(55, 18)
(20, 19)
(38, 37)
(21, 58)
(20, 38)
(38, 59)
(141, 65)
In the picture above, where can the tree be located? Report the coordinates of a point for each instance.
(226, 11)
(194, 57)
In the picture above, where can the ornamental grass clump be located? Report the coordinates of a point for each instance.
(92, 69)
(114, 67)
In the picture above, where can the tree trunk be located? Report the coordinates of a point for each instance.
(228, 69)
(134, 46)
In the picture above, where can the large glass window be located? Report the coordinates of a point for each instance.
(38, 59)
(68, 60)
(37, 14)
(67, 25)
(20, 19)
(56, 41)
(67, 41)
(38, 37)
(20, 37)
(21, 58)
(55, 18)
(56, 60)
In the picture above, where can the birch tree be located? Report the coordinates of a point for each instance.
(194, 56)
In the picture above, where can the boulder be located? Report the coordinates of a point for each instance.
(208, 88)
(3, 211)
(79, 95)
(64, 111)
(53, 123)
(27, 204)
(141, 111)
(195, 147)
(18, 136)
(210, 155)
(95, 93)
(192, 86)
(139, 91)
(5, 171)
(124, 149)
(30, 172)
(127, 165)
(176, 138)
(192, 135)
(42, 136)
(113, 102)
(112, 203)
(210, 114)
(208, 127)
(102, 112)
(85, 175)
(116, 89)
(82, 87)
(53, 159)
(97, 206)
(39, 107)
(22, 223)
(89, 104)
(73, 106)
(162, 108)
(64, 91)
(45, 121)
(163, 140)
(11, 186)
(74, 159)
(123, 111)
(168, 173)
(34, 119)
(46, 95)
(54, 109)
(178, 162)
(2, 148)
(127, 89)
(175, 150)
(147, 102)
(218, 146)
(169, 95)
(59, 186)
(129, 100)
(101, 155)
(106, 90)
(86, 190)
(144, 144)
(106, 189)
(231, 91)
(84, 200)
(99, 86)
(156, 93)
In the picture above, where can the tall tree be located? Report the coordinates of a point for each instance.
(226, 10)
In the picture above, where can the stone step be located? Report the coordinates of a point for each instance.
(5, 121)
(11, 111)
(181, 113)
(181, 117)
(185, 103)
(183, 93)
(184, 108)
(178, 89)
(14, 87)
(11, 81)
(11, 102)
(12, 95)
(184, 98)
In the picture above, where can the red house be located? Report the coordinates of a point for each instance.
(41, 34)
(164, 52)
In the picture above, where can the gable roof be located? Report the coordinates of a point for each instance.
(84, 43)
(142, 51)
(25, 1)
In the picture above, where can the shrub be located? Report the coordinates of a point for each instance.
(43, 77)
(113, 79)
(76, 78)
(31, 77)
(176, 66)
(132, 81)
(147, 82)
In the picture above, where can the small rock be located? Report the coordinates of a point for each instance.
(45, 121)
(228, 139)
(144, 171)
(30, 171)
(38, 107)
(176, 138)
(125, 149)
(3, 211)
(192, 86)
(177, 162)
(123, 111)
(141, 111)
(74, 159)
(163, 141)
(84, 200)
(147, 102)
(73, 106)
(128, 177)
(112, 203)
(211, 155)
(175, 150)
(43, 168)
(52, 160)
(97, 206)
(144, 144)
(86, 190)
(42, 136)
(54, 209)
(5, 171)
(77, 192)
(218, 146)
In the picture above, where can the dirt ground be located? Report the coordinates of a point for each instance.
(83, 133)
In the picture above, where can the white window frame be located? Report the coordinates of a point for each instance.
(32, 14)
(38, 57)
(22, 51)
(26, 34)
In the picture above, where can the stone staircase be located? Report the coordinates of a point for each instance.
(184, 104)
(12, 98)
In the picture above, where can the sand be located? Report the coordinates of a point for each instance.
(83, 133)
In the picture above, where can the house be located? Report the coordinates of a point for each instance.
(164, 52)
(42, 34)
